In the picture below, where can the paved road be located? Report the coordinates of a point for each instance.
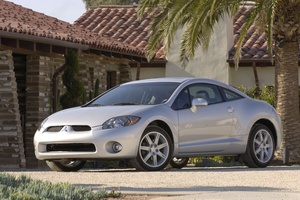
(210, 183)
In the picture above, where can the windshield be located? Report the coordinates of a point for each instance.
(137, 94)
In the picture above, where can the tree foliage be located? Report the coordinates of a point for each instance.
(74, 87)
(200, 16)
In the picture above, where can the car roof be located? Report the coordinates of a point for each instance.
(178, 80)
(187, 80)
(172, 79)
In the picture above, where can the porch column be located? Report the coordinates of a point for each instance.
(38, 107)
(125, 73)
(11, 137)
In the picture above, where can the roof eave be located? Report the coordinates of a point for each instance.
(43, 40)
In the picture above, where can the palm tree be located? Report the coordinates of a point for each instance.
(279, 18)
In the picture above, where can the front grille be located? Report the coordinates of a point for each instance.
(81, 128)
(82, 147)
(54, 128)
(76, 128)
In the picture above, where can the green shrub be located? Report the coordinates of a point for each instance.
(25, 188)
(266, 94)
(97, 87)
(74, 87)
(215, 161)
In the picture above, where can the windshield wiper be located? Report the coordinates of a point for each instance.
(125, 104)
(94, 105)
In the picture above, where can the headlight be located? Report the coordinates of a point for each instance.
(42, 124)
(121, 121)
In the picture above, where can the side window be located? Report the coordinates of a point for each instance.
(230, 95)
(208, 92)
(183, 101)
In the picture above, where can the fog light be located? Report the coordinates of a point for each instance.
(117, 147)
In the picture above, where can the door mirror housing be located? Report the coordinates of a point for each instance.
(198, 102)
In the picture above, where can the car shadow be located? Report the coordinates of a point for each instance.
(193, 169)
(180, 190)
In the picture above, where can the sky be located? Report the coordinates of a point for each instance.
(66, 10)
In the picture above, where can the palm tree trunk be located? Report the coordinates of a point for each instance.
(287, 102)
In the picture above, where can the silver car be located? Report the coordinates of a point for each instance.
(161, 121)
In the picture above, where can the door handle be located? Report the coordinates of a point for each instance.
(230, 109)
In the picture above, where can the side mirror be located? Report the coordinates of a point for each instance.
(198, 102)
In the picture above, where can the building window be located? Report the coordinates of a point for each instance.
(111, 79)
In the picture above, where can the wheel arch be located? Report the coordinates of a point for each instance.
(164, 126)
(270, 125)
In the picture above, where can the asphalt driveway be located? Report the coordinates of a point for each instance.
(280, 182)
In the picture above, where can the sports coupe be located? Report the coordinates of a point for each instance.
(159, 122)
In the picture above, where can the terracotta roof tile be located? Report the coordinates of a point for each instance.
(120, 23)
(17, 19)
(256, 45)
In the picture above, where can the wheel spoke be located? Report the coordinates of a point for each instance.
(258, 150)
(261, 138)
(257, 142)
(147, 157)
(154, 157)
(156, 139)
(162, 155)
(262, 155)
(267, 153)
(266, 138)
(161, 146)
(269, 146)
(149, 140)
(145, 148)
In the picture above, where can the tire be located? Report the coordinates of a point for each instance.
(178, 162)
(66, 165)
(260, 147)
(154, 150)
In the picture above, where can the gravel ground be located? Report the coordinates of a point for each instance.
(189, 180)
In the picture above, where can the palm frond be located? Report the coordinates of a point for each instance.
(197, 19)
(147, 6)
(249, 21)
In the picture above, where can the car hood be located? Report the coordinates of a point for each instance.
(92, 116)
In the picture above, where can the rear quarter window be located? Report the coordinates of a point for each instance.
(230, 95)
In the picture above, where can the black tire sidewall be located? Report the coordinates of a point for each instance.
(250, 153)
(57, 166)
(168, 139)
(179, 165)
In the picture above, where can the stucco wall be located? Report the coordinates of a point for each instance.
(209, 64)
(245, 76)
(148, 73)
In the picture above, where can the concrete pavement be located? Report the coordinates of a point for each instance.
(275, 182)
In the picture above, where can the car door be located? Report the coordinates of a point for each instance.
(208, 129)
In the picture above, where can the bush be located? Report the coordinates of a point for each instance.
(74, 87)
(215, 161)
(266, 94)
(25, 188)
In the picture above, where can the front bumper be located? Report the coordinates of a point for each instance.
(94, 144)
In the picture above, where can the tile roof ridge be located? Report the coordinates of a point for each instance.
(34, 11)
(26, 22)
(114, 6)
